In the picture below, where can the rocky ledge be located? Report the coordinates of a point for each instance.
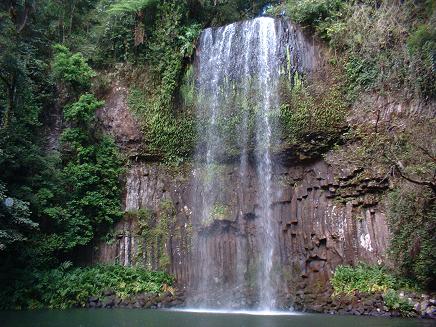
(110, 300)
(421, 305)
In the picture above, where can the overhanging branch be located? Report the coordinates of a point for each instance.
(430, 184)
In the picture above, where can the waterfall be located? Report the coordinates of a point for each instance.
(239, 71)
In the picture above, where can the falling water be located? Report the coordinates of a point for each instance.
(267, 233)
(239, 70)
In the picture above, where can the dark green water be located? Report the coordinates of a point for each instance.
(151, 318)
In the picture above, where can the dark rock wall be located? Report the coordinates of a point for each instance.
(319, 226)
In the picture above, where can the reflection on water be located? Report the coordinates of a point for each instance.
(164, 318)
(241, 312)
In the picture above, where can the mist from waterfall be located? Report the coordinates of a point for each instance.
(239, 69)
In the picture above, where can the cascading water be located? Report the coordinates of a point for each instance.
(267, 80)
(239, 71)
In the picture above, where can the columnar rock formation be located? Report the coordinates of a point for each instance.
(325, 219)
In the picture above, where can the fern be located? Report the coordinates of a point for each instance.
(130, 6)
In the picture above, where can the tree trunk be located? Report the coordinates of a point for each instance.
(139, 28)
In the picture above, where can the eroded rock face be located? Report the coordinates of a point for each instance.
(325, 218)
(116, 119)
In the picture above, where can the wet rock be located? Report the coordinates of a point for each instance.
(108, 301)
(93, 299)
(317, 308)
(430, 312)
(108, 292)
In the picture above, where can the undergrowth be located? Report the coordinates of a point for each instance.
(373, 279)
(362, 278)
(67, 287)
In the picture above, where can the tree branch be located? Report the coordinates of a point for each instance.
(430, 184)
(426, 152)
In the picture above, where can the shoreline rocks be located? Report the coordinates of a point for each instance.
(109, 300)
(421, 305)
(358, 304)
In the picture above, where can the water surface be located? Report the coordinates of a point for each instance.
(162, 318)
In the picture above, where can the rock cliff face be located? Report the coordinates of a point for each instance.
(326, 216)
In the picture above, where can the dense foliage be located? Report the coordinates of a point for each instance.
(386, 46)
(362, 278)
(52, 200)
(372, 279)
(412, 219)
(71, 68)
(15, 219)
(67, 287)
(169, 133)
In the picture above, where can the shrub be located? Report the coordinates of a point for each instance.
(82, 112)
(362, 278)
(394, 302)
(361, 76)
(412, 221)
(71, 68)
(67, 287)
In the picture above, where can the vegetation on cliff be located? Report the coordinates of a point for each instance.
(384, 50)
(386, 46)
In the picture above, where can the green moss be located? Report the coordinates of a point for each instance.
(167, 134)
(220, 211)
(313, 117)
(154, 228)
(187, 88)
